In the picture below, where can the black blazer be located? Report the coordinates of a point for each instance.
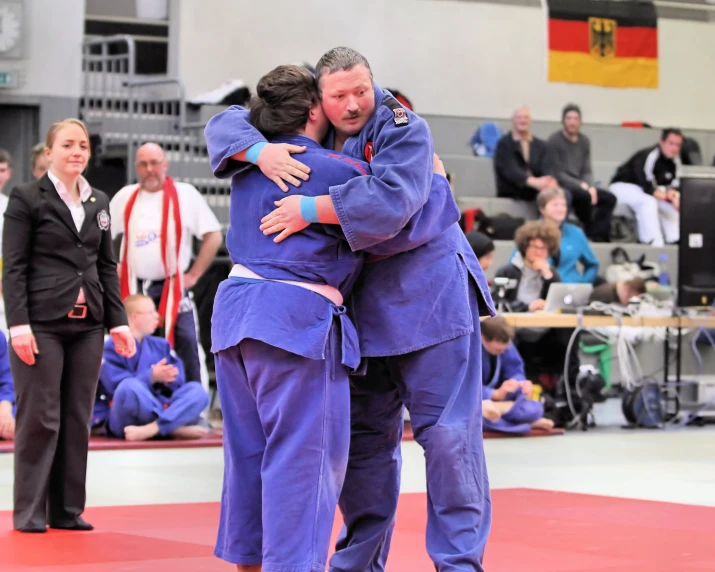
(511, 169)
(45, 259)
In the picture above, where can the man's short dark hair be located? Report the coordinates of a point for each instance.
(568, 109)
(497, 329)
(668, 131)
(283, 100)
(5, 157)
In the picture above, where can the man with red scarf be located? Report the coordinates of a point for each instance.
(159, 218)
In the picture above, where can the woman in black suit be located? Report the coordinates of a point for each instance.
(61, 290)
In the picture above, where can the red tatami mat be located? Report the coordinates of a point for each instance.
(533, 531)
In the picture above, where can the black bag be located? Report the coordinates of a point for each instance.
(623, 230)
(643, 407)
(587, 390)
(503, 226)
(690, 153)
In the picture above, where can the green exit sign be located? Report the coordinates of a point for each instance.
(8, 79)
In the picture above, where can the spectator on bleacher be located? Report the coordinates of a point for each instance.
(149, 247)
(148, 392)
(522, 163)
(530, 277)
(483, 248)
(529, 269)
(571, 153)
(648, 183)
(618, 292)
(506, 393)
(38, 160)
(7, 395)
(574, 248)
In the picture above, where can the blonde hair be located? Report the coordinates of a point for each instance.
(131, 302)
(56, 127)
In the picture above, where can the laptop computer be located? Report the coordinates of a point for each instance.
(567, 297)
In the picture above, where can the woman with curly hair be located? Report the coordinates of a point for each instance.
(530, 277)
(529, 270)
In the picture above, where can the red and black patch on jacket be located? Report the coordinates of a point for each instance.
(400, 115)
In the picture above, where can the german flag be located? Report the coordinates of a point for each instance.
(603, 42)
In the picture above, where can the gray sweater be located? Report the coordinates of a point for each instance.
(572, 160)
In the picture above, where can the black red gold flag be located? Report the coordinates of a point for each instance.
(603, 42)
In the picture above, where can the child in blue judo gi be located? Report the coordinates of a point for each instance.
(7, 395)
(284, 343)
(417, 315)
(507, 405)
(148, 393)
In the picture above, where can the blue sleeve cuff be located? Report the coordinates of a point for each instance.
(254, 151)
(309, 209)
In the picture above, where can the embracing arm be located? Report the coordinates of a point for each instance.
(234, 144)
(374, 208)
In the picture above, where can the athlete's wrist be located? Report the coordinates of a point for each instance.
(308, 209)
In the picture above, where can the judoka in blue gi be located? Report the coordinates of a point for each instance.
(507, 405)
(148, 392)
(283, 351)
(417, 315)
(7, 395)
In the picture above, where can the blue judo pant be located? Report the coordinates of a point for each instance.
(441, 388)
(519, 418)
(135, 404)
(286, 440)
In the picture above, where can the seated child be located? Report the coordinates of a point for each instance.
(148, 394)
(506, 393)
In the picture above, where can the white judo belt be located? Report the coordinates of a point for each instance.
(332, 294)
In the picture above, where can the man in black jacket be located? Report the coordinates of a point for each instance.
(522, 164)
(648, 183)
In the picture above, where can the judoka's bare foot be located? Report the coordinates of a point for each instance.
(543, 423)
(249, 568)
(490, 411)
(190, 432)
(141, 432)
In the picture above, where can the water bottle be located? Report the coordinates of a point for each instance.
(664, 276)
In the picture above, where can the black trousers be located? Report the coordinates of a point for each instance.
(596, 219)
(54, 406)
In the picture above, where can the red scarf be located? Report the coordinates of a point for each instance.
(170, 247)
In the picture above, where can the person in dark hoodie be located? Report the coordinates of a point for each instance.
(483, 248)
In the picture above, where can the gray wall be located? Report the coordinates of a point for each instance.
(47, 110)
